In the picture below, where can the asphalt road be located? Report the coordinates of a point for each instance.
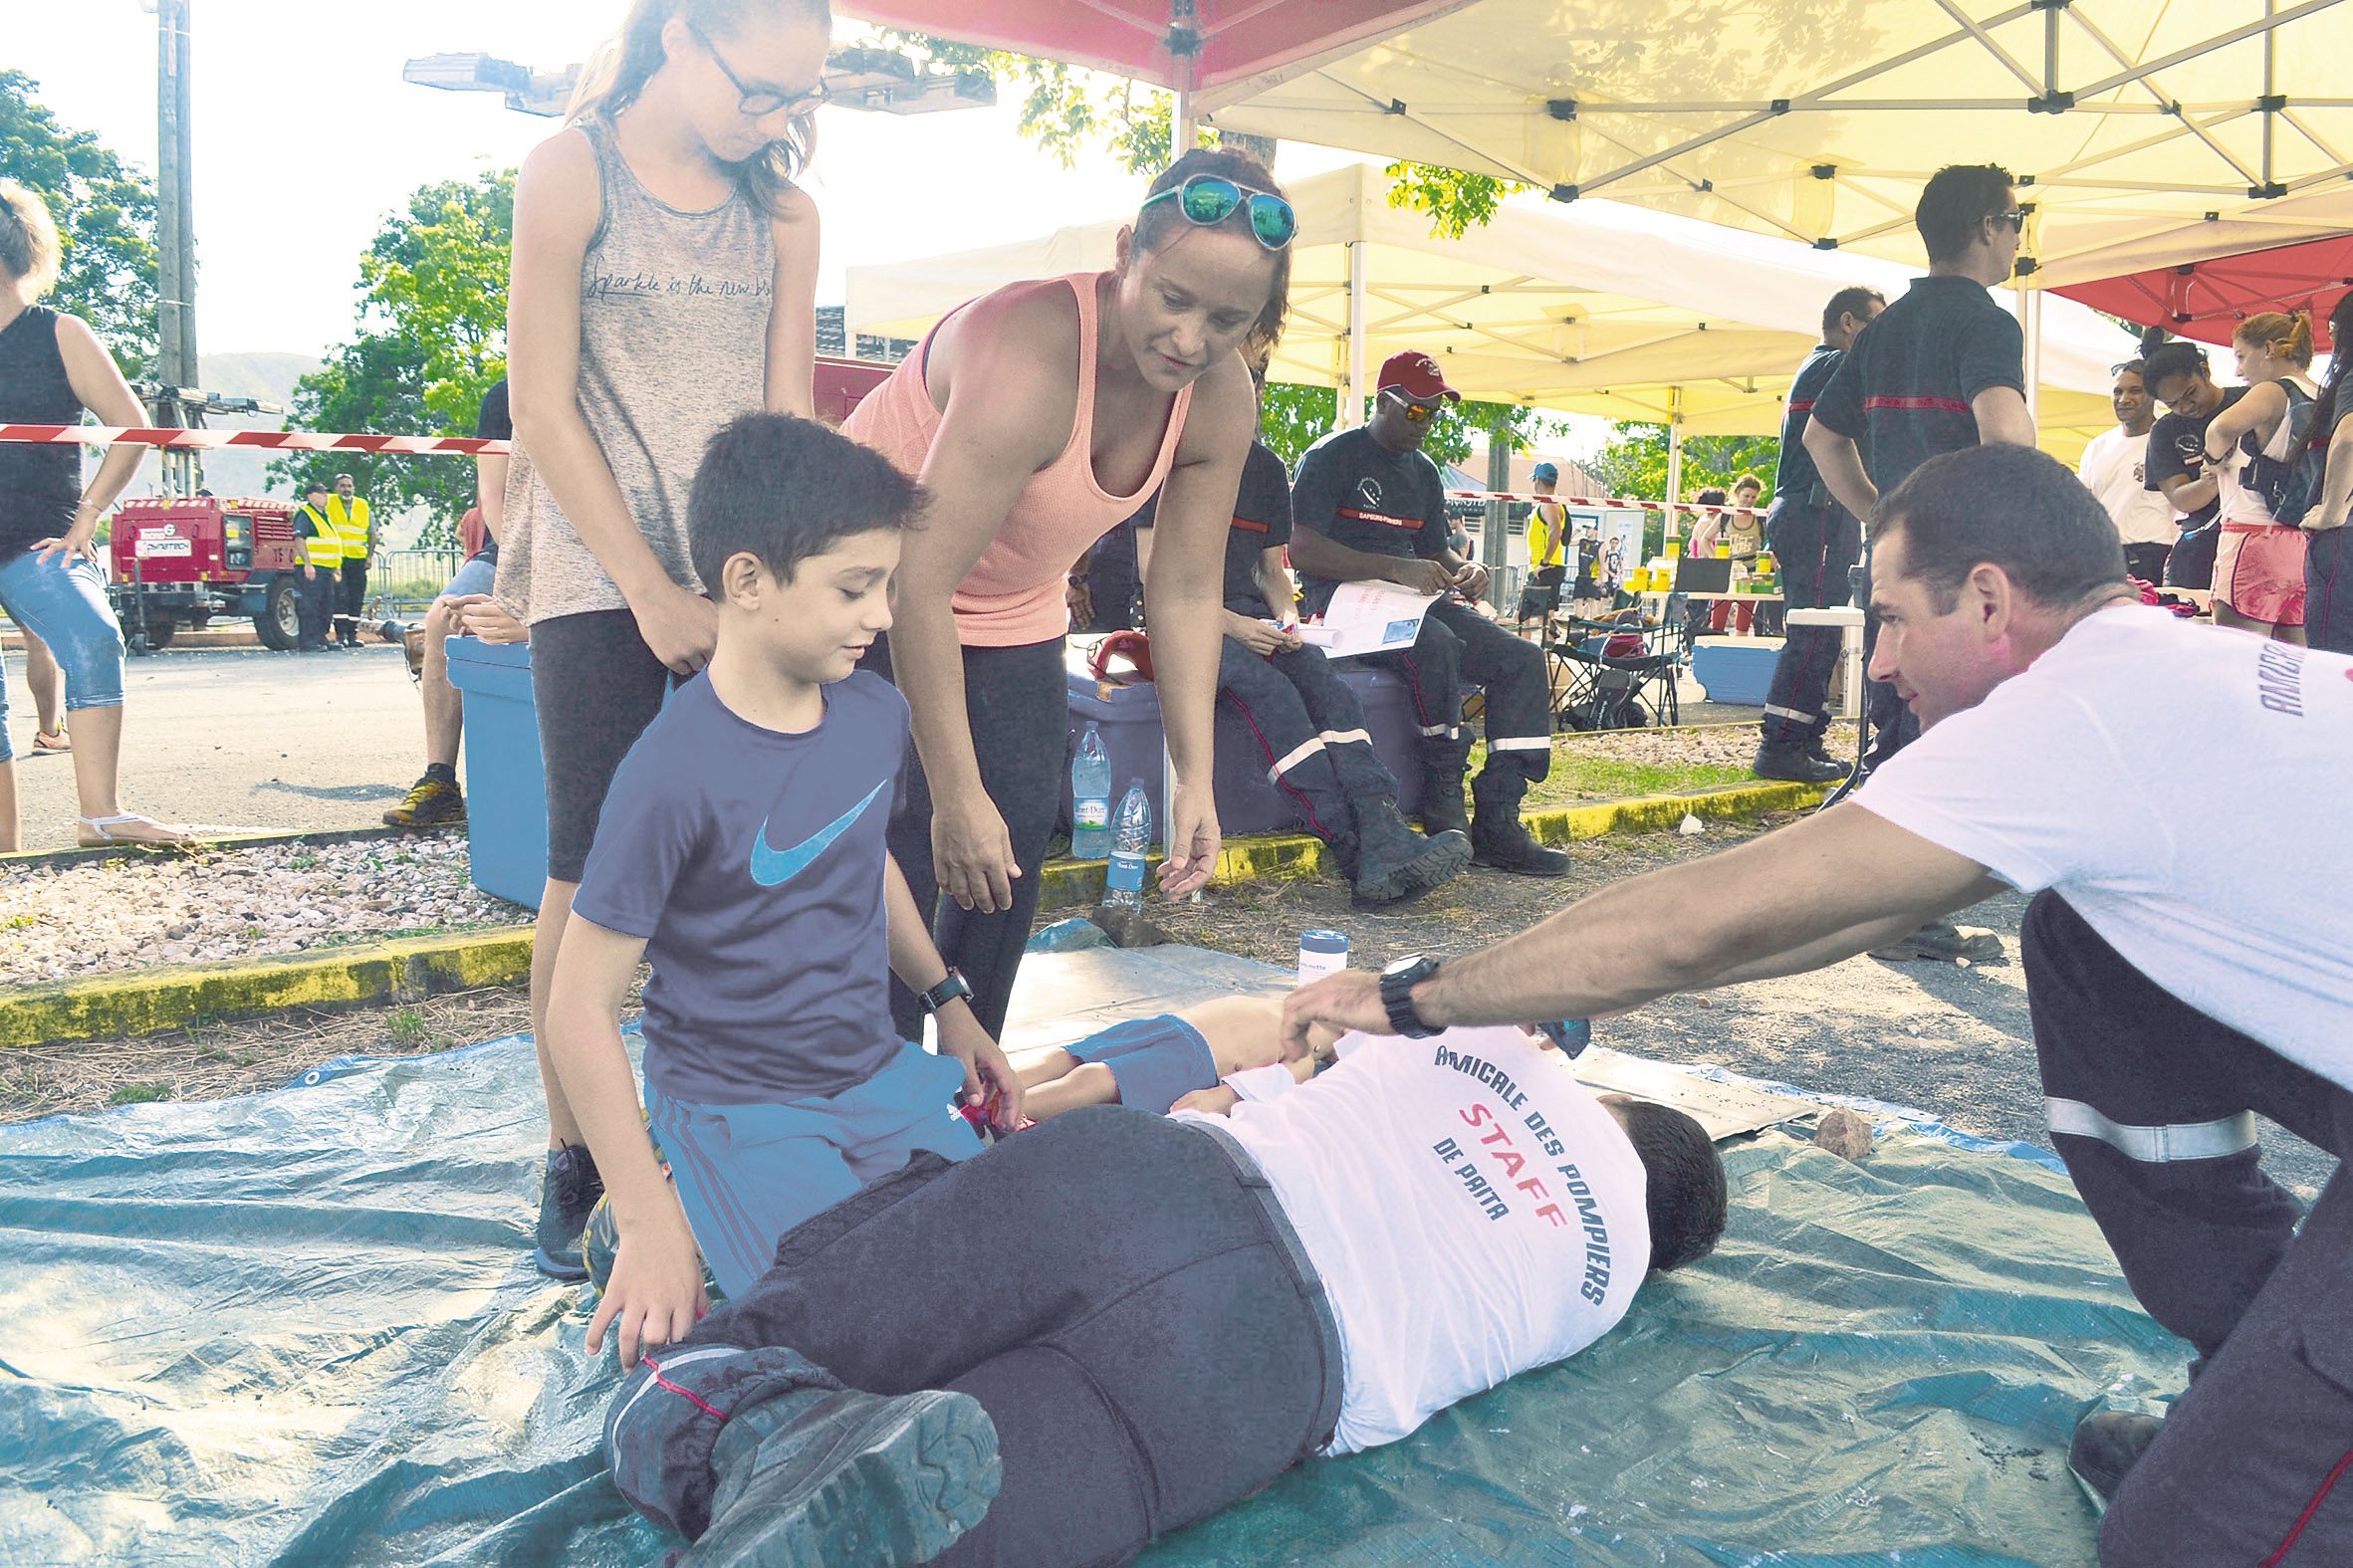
(242, 738)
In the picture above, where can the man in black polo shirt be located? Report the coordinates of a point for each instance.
(1368, 506)
(1816, 540)
(1942, 369)
(1306, 723)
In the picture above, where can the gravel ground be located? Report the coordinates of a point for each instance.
(78, 918)
(1732, 745)
(1951, 1041)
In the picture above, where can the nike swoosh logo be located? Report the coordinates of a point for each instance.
(774, 867)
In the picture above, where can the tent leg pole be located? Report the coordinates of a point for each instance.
(2030, 326)
(1184, 127)
(1674, 462)
(1352, 391)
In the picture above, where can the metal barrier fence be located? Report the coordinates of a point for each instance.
(406, 581)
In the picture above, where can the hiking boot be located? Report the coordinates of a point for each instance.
(836, 1479)
(2108, 1444)
(1499, 839)
(431, 803)
(1794, 765)
(1441, 809)
(1942, 942)
(568, 1193)
(1393, 862)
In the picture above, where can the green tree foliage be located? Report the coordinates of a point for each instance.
(1294, 418)
(1456, 202)
(105, 219)
(1634, 462)
(430, 342)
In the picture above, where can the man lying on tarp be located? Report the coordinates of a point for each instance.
(2169, 793)
(1115, 1322)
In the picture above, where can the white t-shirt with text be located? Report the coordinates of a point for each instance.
(2114, 469)
(1473, 1210)
(2182, 788)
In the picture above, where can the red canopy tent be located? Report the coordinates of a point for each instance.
(1186, 45)
(2207, 300)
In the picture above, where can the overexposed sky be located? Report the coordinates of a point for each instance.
(306, 136)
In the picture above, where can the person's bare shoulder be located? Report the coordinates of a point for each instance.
(1017, 351)
(559, 180)
(1224, 413)
(793, 220)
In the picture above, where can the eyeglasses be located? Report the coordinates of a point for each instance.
(1415, 413)
(1209, 199)
(758, 105)
(2016, 217)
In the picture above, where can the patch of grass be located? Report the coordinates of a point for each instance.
(140, 1093)
(409, 1028)
(19, 923)
(306, 862)
(1576, 779)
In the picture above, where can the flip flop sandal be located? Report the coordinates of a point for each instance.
(52, 740)
(105, 829)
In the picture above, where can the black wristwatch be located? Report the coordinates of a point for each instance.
(1397, 982)
(945, 992)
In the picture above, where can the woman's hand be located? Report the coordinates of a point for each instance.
(1193, 841)
(656, 1290)
(74, 540)
(681, 627)
(971, 852)
(485, 619)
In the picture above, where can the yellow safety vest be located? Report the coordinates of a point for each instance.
(324, 547)
(1543, 541)
(351, 524)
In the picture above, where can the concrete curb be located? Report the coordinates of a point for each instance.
(150, 1001)
(408, 969)
(77, 855)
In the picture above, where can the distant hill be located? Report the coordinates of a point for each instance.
(267, 376)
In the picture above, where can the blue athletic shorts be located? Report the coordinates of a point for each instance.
(1154, 1061)
(747, 1174)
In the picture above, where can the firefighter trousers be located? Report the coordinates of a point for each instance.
(1459, 644)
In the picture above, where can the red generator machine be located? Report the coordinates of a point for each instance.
(181, 560)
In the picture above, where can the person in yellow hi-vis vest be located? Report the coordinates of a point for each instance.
(347, 511)
(322, 566)
(1549, 557)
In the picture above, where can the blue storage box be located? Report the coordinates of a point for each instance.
(1127, 717)
(506, 790)
(1735, 669)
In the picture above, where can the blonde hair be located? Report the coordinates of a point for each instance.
(28, 238)
(622, 66)
(2282, 337)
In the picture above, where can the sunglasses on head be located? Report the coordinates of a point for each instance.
(1415, 413)
(1209, 199)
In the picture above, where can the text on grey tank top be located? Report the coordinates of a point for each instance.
(674, 313)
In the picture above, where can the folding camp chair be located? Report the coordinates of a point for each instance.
(1608, 676)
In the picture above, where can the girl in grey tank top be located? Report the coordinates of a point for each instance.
(674, 316)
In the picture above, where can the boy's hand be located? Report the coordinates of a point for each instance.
(1216, 1101)
(657, 1292)
(989, 1079)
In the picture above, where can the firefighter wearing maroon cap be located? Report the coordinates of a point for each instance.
(1368, 506)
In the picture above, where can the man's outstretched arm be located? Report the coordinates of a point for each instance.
(1809, 895)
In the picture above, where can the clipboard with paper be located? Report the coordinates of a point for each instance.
(1368, 617)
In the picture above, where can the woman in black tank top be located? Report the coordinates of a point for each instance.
(52, 367)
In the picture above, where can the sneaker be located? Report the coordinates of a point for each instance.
(836, 1479)
(568, 1195)
(1794, 765)
(1396, 864)
(2107, 1444)
(49, 741)
(1505, 843)
(1941, 941)
(431, 803)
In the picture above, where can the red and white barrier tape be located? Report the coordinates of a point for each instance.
(1601, 500)
(269, 440)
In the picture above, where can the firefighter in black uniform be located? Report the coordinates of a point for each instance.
(1814, 540)
(1369, 505)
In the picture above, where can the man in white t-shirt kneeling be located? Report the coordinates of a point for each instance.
(2162, 790)
(1115, 1323)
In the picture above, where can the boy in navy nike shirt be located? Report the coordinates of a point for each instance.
(741, 852)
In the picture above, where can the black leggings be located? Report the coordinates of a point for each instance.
(1018, 705)
(2328, 589)
(596, 686)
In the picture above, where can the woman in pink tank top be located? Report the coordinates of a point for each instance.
(1039, 417)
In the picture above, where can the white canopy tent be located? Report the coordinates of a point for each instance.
(2143, 134)
(1596, 309)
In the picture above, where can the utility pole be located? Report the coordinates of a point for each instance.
(176, 239)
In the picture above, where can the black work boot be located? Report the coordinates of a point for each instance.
(836, 1479)
(568, 1193)
(2108, 1444)
(1393, 862)
(1795, 764)
(1440, 807)
(1499, 839)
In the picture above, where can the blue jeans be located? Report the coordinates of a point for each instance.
(64, 605)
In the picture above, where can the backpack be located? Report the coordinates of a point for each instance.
(2299, 493)
(2270, 477)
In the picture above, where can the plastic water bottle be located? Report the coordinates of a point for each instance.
(1090, 798)
(1321, 952)
(1131, 839)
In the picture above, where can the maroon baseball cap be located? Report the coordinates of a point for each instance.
(1417, 376)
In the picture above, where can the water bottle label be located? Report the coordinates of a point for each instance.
(1127, 871)
(1093, 813)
